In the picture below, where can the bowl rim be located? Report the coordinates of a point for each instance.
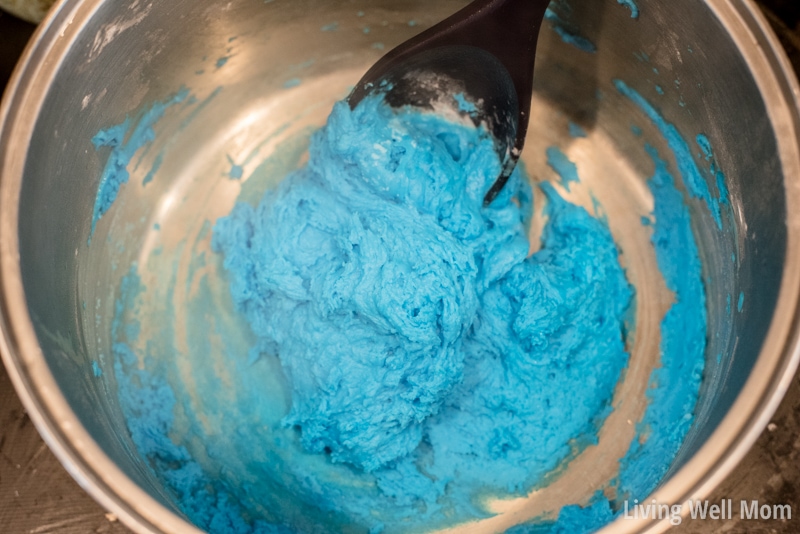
(24, 360)
(108, 485)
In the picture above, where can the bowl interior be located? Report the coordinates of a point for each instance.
(247, 83)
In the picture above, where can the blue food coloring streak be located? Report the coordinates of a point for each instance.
(237, 171)
(630, 4)
(124, 144)
(568, 36)
(561, 164)
(199, 107)
(705, 145)
(575, 131)
(159, 159)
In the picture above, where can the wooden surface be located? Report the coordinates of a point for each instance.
(38, 496)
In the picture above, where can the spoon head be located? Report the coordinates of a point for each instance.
(453, 78)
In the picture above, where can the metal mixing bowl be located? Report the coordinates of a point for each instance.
(95, 61)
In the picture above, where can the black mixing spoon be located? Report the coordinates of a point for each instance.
(485, 51)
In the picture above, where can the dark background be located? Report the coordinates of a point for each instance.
(37, 495)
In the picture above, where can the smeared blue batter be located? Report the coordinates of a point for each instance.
(692, 178)
(124, 144)
(559, 162)
(568, 34)
(683, 342)
(575, 130)
(411, 357)
(420, 342)
(674, 386)
(148, 402)
(630, 4)
(705, 145)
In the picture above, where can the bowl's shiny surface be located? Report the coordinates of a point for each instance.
(44, 95)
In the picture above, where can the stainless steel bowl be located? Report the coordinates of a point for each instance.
(93, 62)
